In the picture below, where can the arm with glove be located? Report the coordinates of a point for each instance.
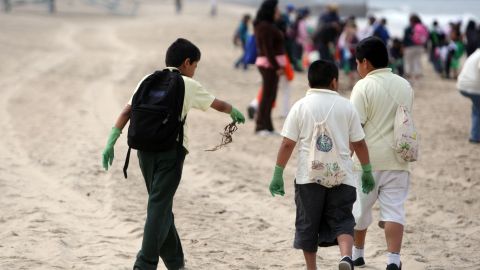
(276, 184)
(225, 107)
(361, 150)
(108, 152)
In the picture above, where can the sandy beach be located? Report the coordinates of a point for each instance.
(65, 77)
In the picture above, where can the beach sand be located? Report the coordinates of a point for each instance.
(64, 79)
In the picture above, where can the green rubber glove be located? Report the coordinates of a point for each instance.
(368, 183)
(276, 185)
(108, 151)
(237, 116)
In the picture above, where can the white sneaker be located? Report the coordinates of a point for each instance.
(263, 133)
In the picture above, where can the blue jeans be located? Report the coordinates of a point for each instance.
(475, 131)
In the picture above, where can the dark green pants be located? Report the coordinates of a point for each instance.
(162, 172)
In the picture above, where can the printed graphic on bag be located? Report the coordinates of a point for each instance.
(324, 143)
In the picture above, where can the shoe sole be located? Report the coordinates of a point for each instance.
(344, 266)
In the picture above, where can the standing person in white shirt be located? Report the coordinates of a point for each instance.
(324, 215)
(376, 98)
(469, 86)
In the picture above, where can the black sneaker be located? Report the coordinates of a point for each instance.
(473, 141)
(393, 266)
(251, 112)
(359, 262)
(345, 264)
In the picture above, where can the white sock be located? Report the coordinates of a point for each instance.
(357, 253)
(393, 258)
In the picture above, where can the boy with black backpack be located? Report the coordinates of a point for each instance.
(157, 114)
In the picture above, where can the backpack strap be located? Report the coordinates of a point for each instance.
(127, 160)
(326, 117)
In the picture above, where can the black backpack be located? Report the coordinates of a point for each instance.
(156, 117)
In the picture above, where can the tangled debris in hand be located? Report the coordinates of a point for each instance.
(226, 136)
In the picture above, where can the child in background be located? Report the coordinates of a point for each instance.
(456, 51)
(240, 39)
(324, 215)
(437, 41)
(162, 171)
(396, 57)
(346, 46)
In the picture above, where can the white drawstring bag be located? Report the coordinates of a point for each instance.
(325, 166)
(405, 135)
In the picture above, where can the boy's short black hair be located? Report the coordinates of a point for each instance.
(179, 51)
(374, 50)
(321, 73)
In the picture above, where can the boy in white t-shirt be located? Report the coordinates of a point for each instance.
(324, 215)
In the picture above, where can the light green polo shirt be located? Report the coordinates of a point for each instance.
(376, 97)
(196, 96)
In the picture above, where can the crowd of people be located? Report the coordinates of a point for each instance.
(334, 38)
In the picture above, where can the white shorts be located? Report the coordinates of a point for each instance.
(391, 190)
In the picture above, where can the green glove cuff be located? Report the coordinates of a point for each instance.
(112, 138)
(367, 168)
(237, 116)
(278, 172)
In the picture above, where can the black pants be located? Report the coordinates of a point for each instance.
(270, 85)
(162, 172)
(322, 215)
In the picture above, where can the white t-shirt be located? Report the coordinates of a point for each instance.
(469, 78)
(195, 97)
(373, 97)
(343, 123)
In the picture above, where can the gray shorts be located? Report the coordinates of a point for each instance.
(322, 215)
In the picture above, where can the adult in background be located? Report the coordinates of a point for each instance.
(472, 37)
(376, 98)
(326, 37)
(346, 46)
(469, 86)
(178, 6)
(213, 8)
(369, 29)
(286, 23)
(303, 40)
(415, 37)
(270, 61)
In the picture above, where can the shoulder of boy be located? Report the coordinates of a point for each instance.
(359, 86)
(191, 83)
(295, 107)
